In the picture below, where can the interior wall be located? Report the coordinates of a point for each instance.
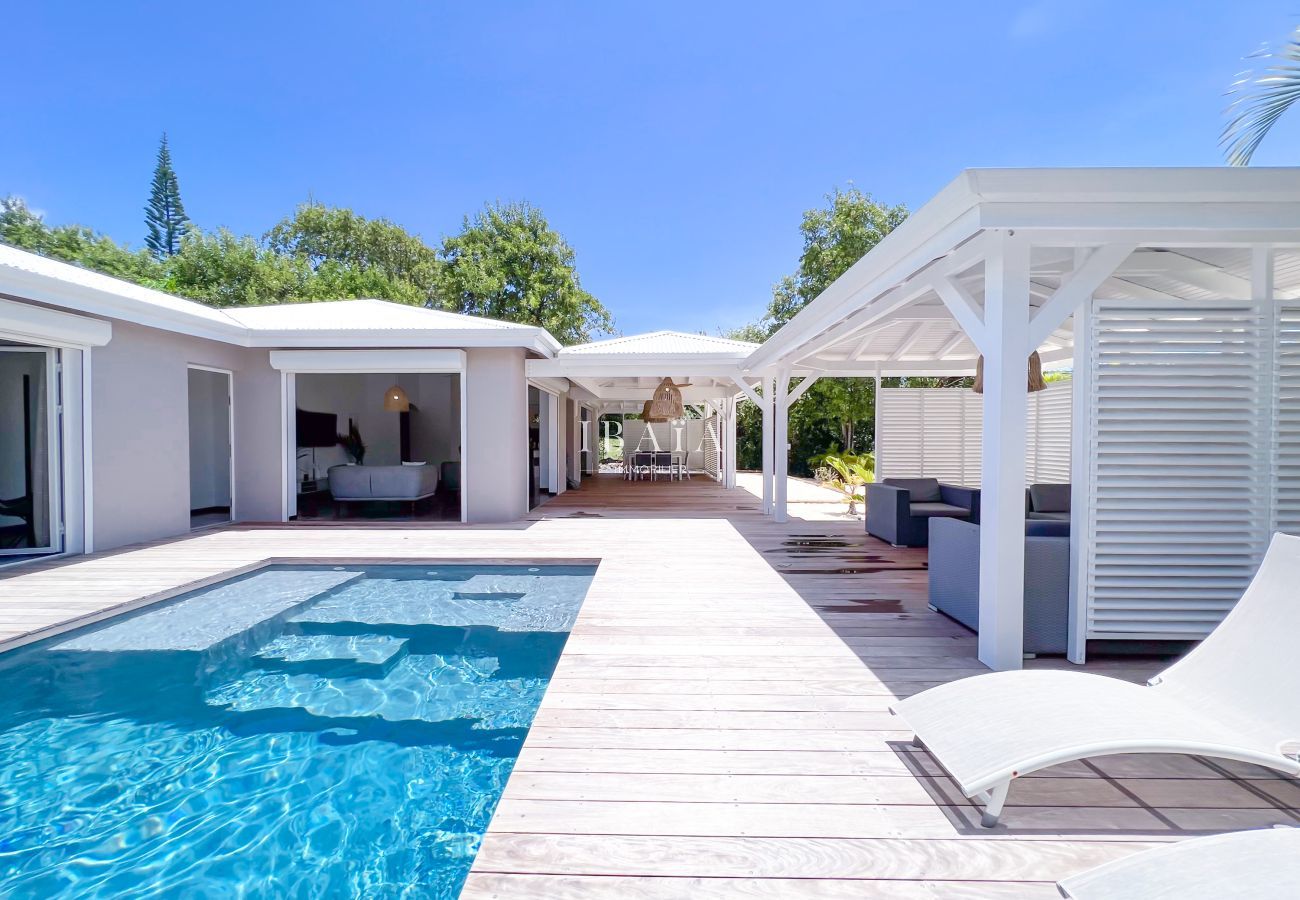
(209, 419)
(13, 446)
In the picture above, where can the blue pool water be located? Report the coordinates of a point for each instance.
(296, 732)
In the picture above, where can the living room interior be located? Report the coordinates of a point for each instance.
(378, 446)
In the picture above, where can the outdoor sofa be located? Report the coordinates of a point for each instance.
(1050, 502)
(899, 510)
(955, 578)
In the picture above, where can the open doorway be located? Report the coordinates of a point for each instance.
(377, 446)
(211, 483)
(30, 522)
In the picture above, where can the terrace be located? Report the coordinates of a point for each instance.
(717, 724)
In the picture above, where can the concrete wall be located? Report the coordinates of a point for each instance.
(140, 422)
(209, 416)
(495, 467)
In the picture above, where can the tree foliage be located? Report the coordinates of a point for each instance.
(164, 215)
(834, 411)
(1263, 95)
(508, 263)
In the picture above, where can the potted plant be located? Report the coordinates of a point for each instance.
(352, 444)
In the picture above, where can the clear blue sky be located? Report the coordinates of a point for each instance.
(674, 144)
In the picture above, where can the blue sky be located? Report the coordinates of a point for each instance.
(674, 144)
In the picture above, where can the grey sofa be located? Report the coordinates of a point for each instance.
(899, 510)
(357, 484)
(955, 579)
(1049, 502)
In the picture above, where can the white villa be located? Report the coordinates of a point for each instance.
(1172, 296)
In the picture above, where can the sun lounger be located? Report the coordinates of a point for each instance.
(1261, 865)
(1235, 696)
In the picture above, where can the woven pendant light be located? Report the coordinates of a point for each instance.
(666, 403)
(1036, 382)
(647, 415)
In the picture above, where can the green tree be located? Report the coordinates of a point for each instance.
(24, 229)
(1263, 96)
(508, 263)
(165, 214)
(349, 255)
(224, 269)
(834, 411)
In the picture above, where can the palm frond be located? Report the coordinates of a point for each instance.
(1263, 94)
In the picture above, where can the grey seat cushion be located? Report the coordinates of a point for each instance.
(920, 490)
(930, 510)
(1050, 516)
(1050, 498)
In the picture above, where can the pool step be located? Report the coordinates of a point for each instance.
(428, 689)
(369, 655)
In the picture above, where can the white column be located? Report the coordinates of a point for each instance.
(729, 430)
(769, 416)
(1080, 486)
(556, 475)
(1002, 501)
(781, 441)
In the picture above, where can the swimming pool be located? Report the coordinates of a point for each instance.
(295, 732)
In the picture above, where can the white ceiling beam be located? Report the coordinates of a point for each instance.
(1076, 287)
(950, 344)
(909, 340)
(748, 391)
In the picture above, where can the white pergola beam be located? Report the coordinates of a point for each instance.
(781, 444)
(1078, 286)
(802, 389)
(964, 308)
(909, 340)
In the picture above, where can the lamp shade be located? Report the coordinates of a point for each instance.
(395, 400)
(667, 402)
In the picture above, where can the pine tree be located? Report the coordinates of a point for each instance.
(165, 214)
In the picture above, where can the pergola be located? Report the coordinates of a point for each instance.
(620, 374)
(1166, 290)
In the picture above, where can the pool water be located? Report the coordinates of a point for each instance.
(296, 732)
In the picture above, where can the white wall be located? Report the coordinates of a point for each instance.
(936, 433)
(209, 418)
(13, 366)
(496, 462)
(140, 423)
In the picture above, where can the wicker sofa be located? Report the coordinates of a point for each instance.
(955, 578)
(899, 510)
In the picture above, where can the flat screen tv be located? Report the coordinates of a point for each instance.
(317, 429)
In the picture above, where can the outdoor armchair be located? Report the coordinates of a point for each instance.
(899, 509)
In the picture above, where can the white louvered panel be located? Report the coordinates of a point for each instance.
(710, 441)
(1286, 429)
(931, 432)
(1047, 459)
(1180, 465)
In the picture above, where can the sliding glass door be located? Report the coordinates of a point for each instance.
(30, 511)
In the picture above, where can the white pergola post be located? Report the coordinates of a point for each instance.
(1002, 501)
(781, 443)
(729, 441)
(769, 431)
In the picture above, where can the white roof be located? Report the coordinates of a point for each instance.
(1180, 233)
(341, 323)
(663, 343)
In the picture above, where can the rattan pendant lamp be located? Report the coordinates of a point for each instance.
(666, 404)
(1036, 382)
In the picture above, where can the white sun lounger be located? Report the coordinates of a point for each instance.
(1260, 865)
(1235, 696)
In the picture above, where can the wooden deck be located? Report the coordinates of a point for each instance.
(718, 725)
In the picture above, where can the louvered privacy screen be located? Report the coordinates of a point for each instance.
(1182, 461)
(936, 433)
